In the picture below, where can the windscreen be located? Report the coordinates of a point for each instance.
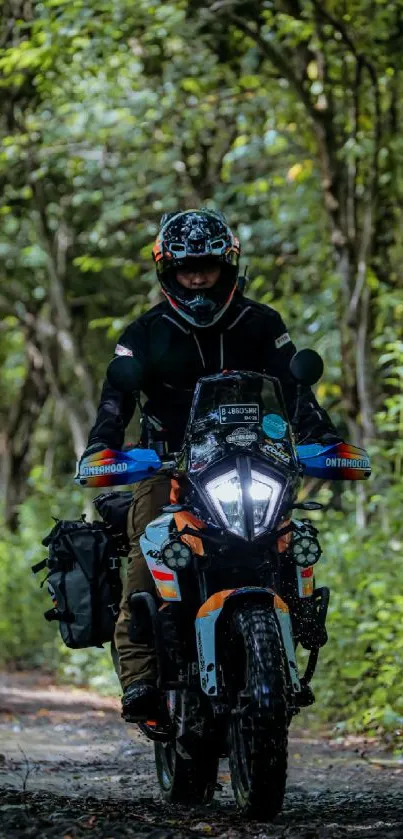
(236, 398)
(236, 409)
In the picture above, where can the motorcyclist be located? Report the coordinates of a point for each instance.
(203, 326)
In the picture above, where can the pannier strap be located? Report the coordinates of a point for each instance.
(57, 615)
(39, 566)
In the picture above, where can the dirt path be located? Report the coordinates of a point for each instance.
(70, 768)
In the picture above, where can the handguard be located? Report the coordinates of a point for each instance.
(337, 462)
(115, 468)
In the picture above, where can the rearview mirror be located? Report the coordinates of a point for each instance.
(306, 366)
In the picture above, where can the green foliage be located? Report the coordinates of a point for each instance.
(91, 667)
(27, 640)
(26, 637)
(359, 675)
(113, 113)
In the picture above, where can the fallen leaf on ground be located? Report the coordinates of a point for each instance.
(203, 826)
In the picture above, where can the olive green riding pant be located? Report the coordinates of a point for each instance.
(138, 660)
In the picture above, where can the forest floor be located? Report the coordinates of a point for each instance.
(70, 768)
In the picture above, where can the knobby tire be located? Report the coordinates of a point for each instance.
(258, 735)
(186, 780)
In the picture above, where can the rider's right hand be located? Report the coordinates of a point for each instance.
(93, 448)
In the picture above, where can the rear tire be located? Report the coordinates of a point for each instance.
(184, 781)
(258, 735)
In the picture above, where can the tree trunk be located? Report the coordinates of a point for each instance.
(18, 436)
(352, 212)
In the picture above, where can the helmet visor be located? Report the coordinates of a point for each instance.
(197, 265)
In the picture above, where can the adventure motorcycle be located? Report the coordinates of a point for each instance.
(230, 568)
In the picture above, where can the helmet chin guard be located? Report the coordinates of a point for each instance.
(200, 310)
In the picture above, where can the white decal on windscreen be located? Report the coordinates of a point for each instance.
(238, 414)
(242, 437)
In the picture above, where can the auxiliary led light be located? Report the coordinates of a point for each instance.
(176, 555)
(306, 550)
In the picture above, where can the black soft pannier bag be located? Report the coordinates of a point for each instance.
(84, 582)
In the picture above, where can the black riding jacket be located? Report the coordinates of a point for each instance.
(172, 355)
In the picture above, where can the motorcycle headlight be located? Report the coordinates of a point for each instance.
(262, 492)
(225, 492)
(265, 492)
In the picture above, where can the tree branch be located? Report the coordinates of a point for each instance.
(277, 58)
(57, 268)
(24, 415)
(362, 61)
(323, 120)
(362, 265)
(337, 25)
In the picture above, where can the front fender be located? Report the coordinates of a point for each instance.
(205, 627)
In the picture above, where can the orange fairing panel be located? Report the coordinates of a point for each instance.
(216, 601)
(205, 638)
(279, 604)
(184, 518)
(174, 496)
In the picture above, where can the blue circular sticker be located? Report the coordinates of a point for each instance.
(274, 426)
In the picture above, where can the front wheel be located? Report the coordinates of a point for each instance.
(258, 727)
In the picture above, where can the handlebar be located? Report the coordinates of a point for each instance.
(338, 461)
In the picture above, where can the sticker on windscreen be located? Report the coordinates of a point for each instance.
(274, 426)
(238, 414)
(242, 437)
(276, 450)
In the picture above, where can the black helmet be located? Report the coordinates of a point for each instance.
(194, 234)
